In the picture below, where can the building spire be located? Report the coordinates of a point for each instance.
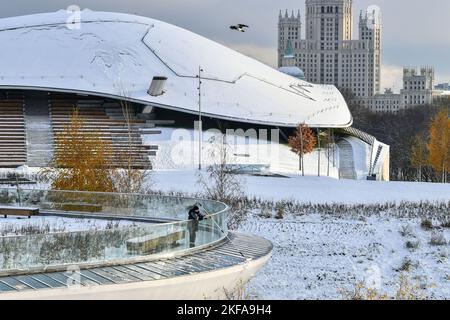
(288, 55)
(286, 15)
(289, 51)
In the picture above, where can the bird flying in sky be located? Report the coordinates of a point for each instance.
(239, 27)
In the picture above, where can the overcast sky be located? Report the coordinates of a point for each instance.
(415, 32)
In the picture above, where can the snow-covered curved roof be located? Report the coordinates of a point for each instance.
(117, 55)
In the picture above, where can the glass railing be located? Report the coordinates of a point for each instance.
(141, 238)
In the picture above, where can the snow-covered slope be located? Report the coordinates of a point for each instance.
(113, 54)
(322, 257)
(316, 190)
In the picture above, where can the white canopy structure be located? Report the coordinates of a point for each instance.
(117, 55)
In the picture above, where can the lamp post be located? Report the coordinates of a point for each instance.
(318, 159)
(200, 126)
(328, 152)
(301, 150)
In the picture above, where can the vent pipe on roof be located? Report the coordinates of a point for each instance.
(147, 109)
(157, 86)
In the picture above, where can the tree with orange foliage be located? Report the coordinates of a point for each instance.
(419, 155)
(302, 142)
(439, 144)
(82, 160)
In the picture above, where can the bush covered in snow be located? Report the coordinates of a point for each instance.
(438, 239)
(438, 211)
(406, 290)
(426, 224)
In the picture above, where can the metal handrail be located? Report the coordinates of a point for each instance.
(103, 241)
(361, 135)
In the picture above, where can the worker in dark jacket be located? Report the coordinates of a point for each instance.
(195, 216)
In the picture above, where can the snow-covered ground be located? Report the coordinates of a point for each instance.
(312, 189)
(318, 257)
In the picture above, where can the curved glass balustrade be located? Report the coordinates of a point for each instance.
(140, 239)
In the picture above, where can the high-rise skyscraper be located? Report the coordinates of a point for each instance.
(328, 54)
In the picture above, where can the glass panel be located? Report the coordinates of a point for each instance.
(167, 232)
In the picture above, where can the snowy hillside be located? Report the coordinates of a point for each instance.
(314, 189)
(325, 256)
(319, 257)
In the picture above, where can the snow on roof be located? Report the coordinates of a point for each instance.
(117, 55)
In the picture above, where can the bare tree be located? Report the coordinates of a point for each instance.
(222, 183)
(130, 179)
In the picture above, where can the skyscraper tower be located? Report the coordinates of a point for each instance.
(289, 30)
(328, 54)
(370, 36)
(329, 21)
